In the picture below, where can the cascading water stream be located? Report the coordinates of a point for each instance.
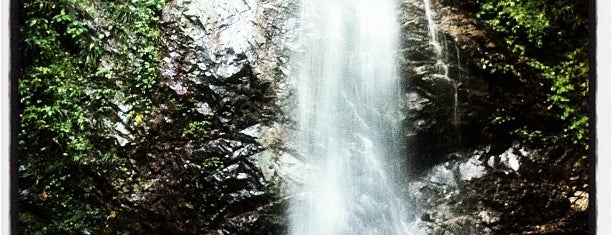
(441, 64)
(348, 119)
(456, 85)
(441, 57)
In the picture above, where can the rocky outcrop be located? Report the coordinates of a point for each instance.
(203, 173)
(470, 175)
(447, 102)
(515, 192)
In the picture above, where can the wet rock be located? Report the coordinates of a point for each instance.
(449, 101)
(508, 160)
(228, 59)
(466, 195)
(580, 201)
(472, 169)
(208, 163)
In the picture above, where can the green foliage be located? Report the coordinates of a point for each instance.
(129, 40)
(547, 40)
(519, 19)
(73, 71)
(530, 134)
(212, 162)
(197, 130)
(569, 92)
(55, 128)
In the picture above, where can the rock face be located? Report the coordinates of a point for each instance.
(223, 69)
(448, 107)
(515, 192)
(470, 177)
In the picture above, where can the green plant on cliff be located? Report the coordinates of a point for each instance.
(72, 70)
(549, 40)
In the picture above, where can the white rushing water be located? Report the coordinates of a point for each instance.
(348, 119)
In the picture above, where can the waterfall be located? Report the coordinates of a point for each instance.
(348, 119)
